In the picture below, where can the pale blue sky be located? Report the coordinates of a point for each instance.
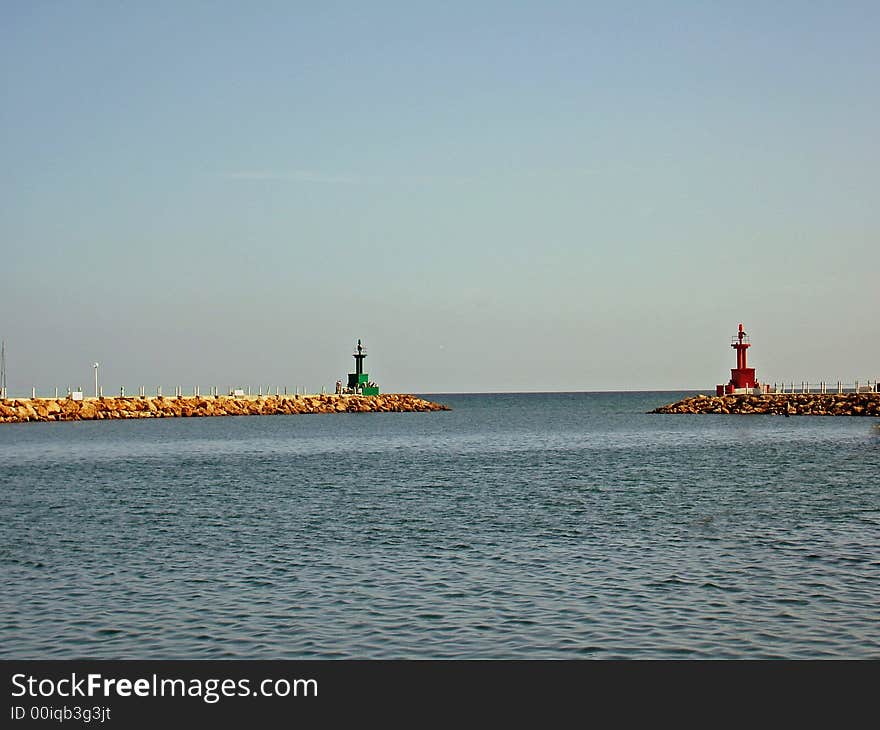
(495, 196)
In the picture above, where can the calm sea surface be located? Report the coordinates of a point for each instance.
(514, 526)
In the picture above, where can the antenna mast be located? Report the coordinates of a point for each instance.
(3, 369)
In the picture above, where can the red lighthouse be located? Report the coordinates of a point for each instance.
(742, 377)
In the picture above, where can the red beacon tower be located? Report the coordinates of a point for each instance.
(742, 377)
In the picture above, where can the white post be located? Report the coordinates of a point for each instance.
(34, 392)
(122, 391)
(96, 379)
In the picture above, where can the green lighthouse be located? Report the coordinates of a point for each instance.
(359, 381)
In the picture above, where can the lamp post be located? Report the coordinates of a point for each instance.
(96, 379)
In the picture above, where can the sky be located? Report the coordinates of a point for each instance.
(493, 196)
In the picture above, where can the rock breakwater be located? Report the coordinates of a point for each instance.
(66, 409)
(781, 404)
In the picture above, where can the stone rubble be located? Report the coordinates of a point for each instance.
(790, 404)
(18, 410)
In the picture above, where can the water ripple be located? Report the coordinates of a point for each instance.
(530, 526)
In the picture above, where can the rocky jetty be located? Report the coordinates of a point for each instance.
(66, 409)
(781, 404)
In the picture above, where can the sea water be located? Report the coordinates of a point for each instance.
(564, 525)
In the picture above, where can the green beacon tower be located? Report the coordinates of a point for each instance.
(359, 381)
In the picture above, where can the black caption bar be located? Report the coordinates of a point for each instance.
(72, 694)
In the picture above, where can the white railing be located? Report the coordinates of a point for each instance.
(839, 386)
(179, 392)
